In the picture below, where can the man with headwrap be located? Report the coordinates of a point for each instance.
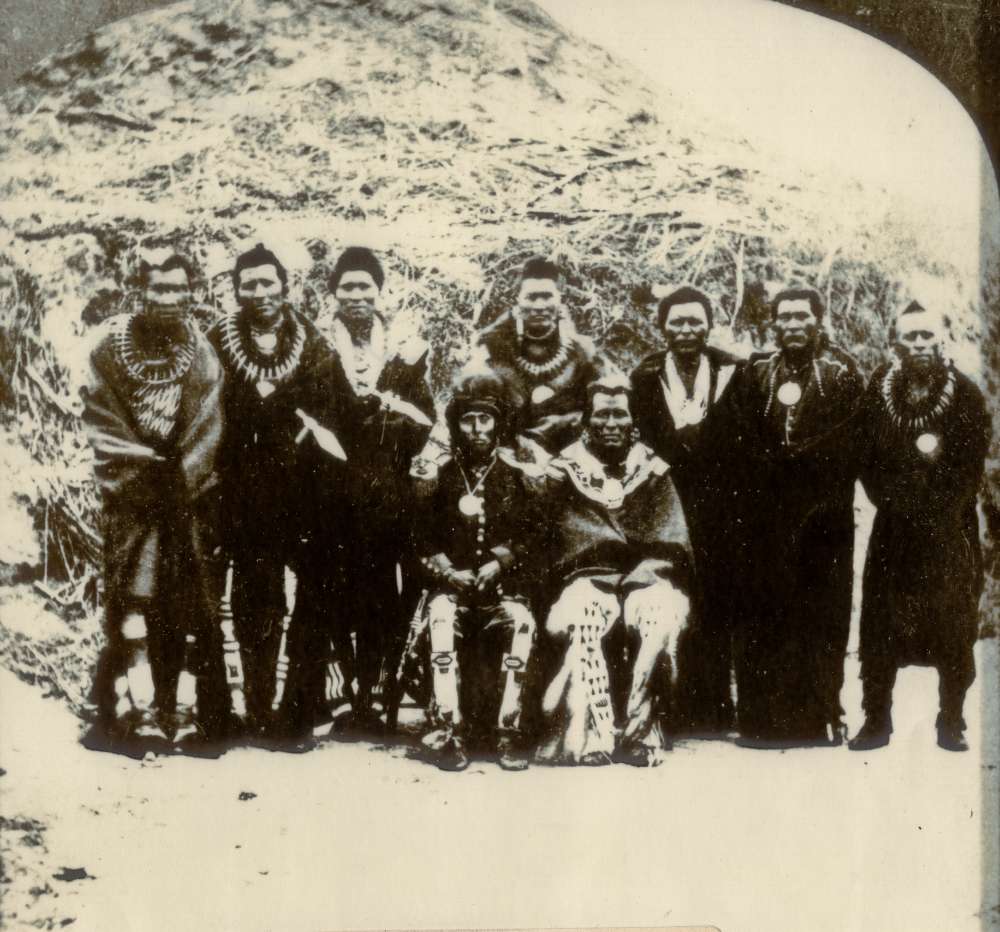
(474, 537)
(286, 403)
(152, 415)
(544, 363)
(683, 411)
(620, 569)
(796, 415)
(925, 436)
(388, 379)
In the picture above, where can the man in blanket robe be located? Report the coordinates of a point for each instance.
(621, 565)
(152, 415)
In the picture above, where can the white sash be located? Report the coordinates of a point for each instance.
(363, 365)
(686, 411)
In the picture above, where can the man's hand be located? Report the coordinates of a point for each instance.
(461, 580)
(488, 575)
(396, 405)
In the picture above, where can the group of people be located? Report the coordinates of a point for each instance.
(584, 571)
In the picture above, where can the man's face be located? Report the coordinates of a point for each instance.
(167, 295)
(538, 304)
(260, 288)
(356, 295)
(795, 325)
(686, 329)
(478, 431)
(610, 421)
(918, 340)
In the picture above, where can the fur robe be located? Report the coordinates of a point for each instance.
(160, 521)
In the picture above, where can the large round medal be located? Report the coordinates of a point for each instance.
(614, 493)
(927, 443)
(541, 393)
(470, 505)
(790, 394)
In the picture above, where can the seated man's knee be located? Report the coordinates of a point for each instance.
(660, 610)
(568, 608)
(521, 618)
(442, 610)
(442, 624)
(582, 603)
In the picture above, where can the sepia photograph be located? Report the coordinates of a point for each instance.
(499, 464)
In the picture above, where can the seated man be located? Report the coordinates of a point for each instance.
(620, 558)
(474, 542)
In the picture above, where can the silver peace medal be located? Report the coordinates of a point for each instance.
(470, 504)
(790, 393)
(541, 393)
(264, 388)
(927, 443)
(614, 493)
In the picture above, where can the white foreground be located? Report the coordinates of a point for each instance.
(354, 837)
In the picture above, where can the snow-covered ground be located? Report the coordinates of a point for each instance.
(352, 836)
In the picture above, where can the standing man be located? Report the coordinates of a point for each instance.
(285, 391)
(544, 363)
(796, 409)
(474, 537)
(683, 412)
(620, 571)
(926, 435)
(152, 415)
(388, 381)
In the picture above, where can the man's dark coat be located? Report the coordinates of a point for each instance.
(797, 505)
(704, 464)
(923, 574)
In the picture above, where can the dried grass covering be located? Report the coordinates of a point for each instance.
(457, 137)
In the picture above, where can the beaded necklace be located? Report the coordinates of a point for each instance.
(145, 371)
(793, 412)
(283, 365)
(155, 384)
(773, 383)
(541, 370)
(906, 420)
(471, 504)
